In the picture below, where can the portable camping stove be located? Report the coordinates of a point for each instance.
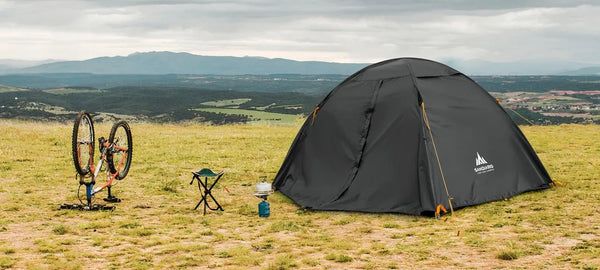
(263, 190)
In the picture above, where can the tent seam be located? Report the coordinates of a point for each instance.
(431, 184)
(404, 76)
(363, 142)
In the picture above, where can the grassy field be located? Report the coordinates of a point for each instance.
(259, 117)
(155, 227)
(226, 102)
(4, 89)
(66, 91)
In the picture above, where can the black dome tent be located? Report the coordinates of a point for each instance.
(410, 136)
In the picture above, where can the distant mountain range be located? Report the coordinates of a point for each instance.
(583, 71)
(157, 63)
(154, 63)
(12, 65)
(522, 67)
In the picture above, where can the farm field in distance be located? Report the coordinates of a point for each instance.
(216, 100)
(258, 117)
(582, 105)
(155, 227)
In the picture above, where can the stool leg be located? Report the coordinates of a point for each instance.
(201, 192)
(205, 192)
(217, 203)
(198, 205)
(209, 189)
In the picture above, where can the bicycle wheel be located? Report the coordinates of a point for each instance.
(120, 156)
(83, 143)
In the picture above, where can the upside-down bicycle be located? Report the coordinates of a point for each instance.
(115, 152)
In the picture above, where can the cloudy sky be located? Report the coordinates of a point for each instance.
(329, 30)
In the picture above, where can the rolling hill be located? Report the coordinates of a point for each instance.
(583, 71)
(165, 62)
(186, 63)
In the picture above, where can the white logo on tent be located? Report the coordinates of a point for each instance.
(479, 160)
(482, 166)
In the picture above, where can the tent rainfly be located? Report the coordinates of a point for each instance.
(410, 136)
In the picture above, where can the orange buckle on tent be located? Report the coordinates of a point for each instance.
(314, 114)
(557, 183)
(437, 211)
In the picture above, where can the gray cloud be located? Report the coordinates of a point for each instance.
(334, 30)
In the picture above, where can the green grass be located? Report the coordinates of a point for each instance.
(66, 91)
(227, 102)
(6, 89)
(557, 100)
(259, 117)
(155, 227)
(60, 229)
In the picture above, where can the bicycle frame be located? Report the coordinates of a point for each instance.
(95, 170)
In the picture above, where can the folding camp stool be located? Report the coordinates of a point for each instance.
(203, 187)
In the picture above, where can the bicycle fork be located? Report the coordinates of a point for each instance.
(89, 187)
(88, 192)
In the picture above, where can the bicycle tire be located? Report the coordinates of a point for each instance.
(82, 143)
(120, 134)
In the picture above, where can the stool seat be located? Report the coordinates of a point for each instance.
(206, 173)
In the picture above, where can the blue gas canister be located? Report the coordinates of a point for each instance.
(264, 209)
